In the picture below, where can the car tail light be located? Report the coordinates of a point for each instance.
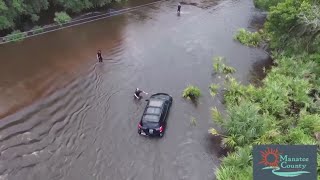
(161, 129)
(139, 126)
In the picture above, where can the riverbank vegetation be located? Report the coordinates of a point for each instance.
(248, 38)
(14, 13)
(15, 36)
(219, 66)
(213, 89)
(286, 108)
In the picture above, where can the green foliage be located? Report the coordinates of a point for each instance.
(11, 11)
(216, 115)
(191, 92)
(286, 109)
(220, 67)
(193, 121)
(15, 36)
(309, 123)
(244, 124)
(266, 4)
(5, 23)
(62, 17)
(248, 38)
(213, 88)
(75, 5)
(298, 136)
(213, 132)
(294, 25)
(237, 165)
(37, 30)
(34, 17)
(235, 92)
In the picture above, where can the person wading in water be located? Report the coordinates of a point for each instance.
(99, 56)
(179, 8)
(137, 93)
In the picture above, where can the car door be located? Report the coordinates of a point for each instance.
(165, 110)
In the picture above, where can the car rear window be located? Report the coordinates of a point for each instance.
(153, 110)
(150, 118)
(155, 103)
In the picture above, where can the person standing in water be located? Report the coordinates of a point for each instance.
(99, 56)
(179, 8)
(138, 92)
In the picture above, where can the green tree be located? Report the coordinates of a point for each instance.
(266, 4)
(75, 5)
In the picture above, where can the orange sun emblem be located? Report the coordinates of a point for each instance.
(268, 154)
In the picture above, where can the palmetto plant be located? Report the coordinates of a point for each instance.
(286, 108)
(243, 124)
(219, 66)
(298, 136)
(309, 123)
(237, 165)
(213, 88)
(191, 92)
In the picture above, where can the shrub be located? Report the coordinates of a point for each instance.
(191, 92)
(62, 17)
(235, 92)
(309, 123)
(16, 36)
(237, 165)
(34, 17)
(248, 38)
(37, 30)
(213, 88)
(220, 67)
(243, 124)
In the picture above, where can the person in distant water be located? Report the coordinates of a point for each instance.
(138, 92)
(99, 56)
(179, 8)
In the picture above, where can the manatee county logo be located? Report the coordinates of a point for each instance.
(289, 166)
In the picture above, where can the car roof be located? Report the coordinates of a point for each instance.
(156, 103)
(153, 110)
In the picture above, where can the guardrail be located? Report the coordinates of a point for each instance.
(55, 27)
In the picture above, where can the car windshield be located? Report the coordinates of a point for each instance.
(153, 110)
(151, 118)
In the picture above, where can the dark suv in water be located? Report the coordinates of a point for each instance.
(153, 121)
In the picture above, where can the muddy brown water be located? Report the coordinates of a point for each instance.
(65, 116)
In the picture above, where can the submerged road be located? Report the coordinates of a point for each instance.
(67, 117)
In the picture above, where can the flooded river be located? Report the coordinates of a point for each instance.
(65, 116)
